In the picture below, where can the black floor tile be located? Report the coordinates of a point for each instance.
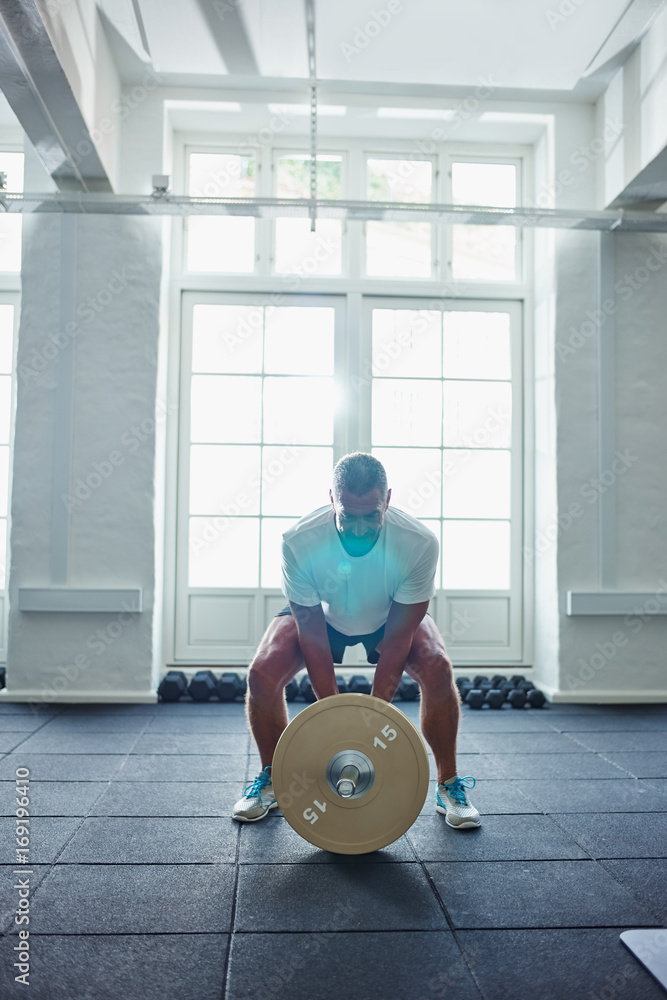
(273, 841)
(10, 740)
(53, 798)
(644, 878)
(649, 764)
(336, 897)
(134, 899)
(481, 766)
(490, 797)
(9, 889)
(622, 742)
(617, 723)
(15, 723)
(499, 743)
(504, 721)
(535, 894)
(590, 796)
(62, 767)
(583, 964)
(48, 834)
(391, 966)
(189, 767)
(152, 840)
(83, 724)
(500, 838)
(207, 724)
(71, 742)
(119, 967)
(201, 798)
(208, 743)
(623, 835)
(557, 766)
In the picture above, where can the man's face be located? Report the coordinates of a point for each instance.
(359, 519)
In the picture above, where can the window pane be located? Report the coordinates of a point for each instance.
(398, 249)
(295, 480)
(220, 243)
(299, 340)
(484, 184)
(5, 407)
(414, 476)
(221, 175)
(436, 528)
(399, 180)
(10, 225)
(407, 343)
(293, 176)
(476, 484)
(225, 408)
(6, 337)
(475, 555)
(298, 410)
(476, 345)
(227, 339)
(484, 253)
(407, 412)
(299, 251)
(224, 479)
(477, 414)
(4, 481)
(272, 531)
(224, 552)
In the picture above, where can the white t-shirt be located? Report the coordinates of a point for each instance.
(356, 591)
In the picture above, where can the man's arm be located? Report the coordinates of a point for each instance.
(314, 642)
(402, 623)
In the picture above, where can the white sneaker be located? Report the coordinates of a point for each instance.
(452, 799)
(258, 799)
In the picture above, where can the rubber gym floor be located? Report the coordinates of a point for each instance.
(142, 887)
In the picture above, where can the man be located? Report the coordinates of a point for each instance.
(357, 571)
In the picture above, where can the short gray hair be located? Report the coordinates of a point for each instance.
(359, 473)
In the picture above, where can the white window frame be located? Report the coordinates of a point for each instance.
(13, 298)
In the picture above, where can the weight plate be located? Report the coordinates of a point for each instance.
(385, 807)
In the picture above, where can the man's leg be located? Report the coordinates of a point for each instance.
(430, 666)
(276, 662)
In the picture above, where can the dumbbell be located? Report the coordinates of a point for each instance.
(535, 698)
(516, 679)
(350, 773)
(496, 681)
(342, 686)
(3, 673)
(475, 698)
(230, 686)
(408, 689)
(306, 689)
(358, 684)
(291, 689)
(202, 686)
(517, 698)
(173, 685)
(494, 698)
(480, 680)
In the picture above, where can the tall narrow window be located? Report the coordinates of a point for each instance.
(484, 253)
(11, 164)
(6, 362)
(217, 243)
(398, 249)
(297, 249)
(261, 435)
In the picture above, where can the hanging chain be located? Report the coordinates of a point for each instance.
(312, 73)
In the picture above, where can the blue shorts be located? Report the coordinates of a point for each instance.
(338, 641)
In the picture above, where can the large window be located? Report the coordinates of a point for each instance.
(296, 346)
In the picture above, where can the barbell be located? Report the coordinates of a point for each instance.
(350, 773)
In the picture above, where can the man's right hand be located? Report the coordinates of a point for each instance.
(314, 642)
